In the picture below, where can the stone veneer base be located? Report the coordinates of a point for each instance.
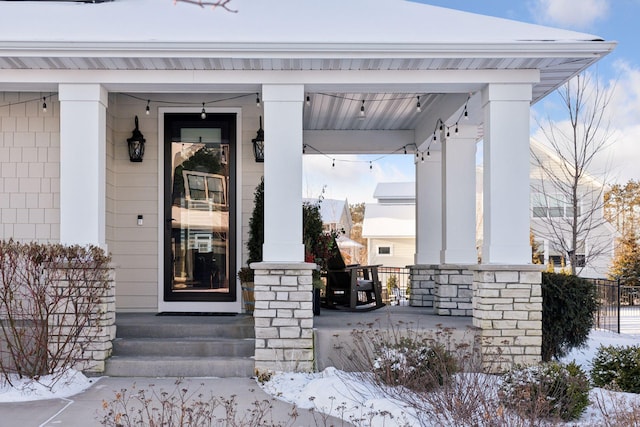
(283, 317)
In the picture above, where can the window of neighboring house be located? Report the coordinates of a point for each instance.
(550, 206)
(384, 250)
(581, 255)
(556, 260)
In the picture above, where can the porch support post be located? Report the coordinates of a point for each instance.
(283, 292)
(83, 116)
(283, 185)
(453, 280)
(428, 229)
(506, 174)
(459, 198)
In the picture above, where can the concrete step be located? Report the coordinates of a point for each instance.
(182, 330)
(191, 347)
(178, 366)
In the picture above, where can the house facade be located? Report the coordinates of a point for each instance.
(390, 225)
(200, 84)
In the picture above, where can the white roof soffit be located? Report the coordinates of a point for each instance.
(285, 35)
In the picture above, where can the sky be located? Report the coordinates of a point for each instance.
(354, 177)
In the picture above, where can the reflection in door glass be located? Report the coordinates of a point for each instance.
(200, 214)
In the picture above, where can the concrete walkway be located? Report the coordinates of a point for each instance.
(86, 409)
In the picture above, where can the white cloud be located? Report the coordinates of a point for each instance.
(353, 177)
(571, 13)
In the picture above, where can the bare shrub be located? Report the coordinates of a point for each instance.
(50, 306)
(616, 409)
(180, 407)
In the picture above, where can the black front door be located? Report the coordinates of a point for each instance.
(199, 214)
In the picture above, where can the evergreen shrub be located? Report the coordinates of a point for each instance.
(549, 390)
(617, 367)
(568, 307)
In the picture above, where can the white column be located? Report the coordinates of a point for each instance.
(459, 198)
(83, 117)
(506, 174)
(283, 173)
(428, 209)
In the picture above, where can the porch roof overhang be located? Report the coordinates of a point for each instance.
(439, 54)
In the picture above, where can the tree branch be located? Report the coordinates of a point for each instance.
(224, 4)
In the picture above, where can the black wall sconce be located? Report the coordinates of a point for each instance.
(258, 144)
(136, 145)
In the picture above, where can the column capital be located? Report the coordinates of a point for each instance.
(507, 92)
(283, 93)
(83, 92)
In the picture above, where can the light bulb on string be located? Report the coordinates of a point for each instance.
(428, 153)
(466, 113)
(441, 126)
(448, 133)
(44, 104)
(304, 148)
(257, 100)
(418, 106)
(435, 138)
(203, 114)
(370, 166)
(456, 129)
(147, 110)
(405, 149)
(422, 159)
(308, 101)
(362, 112)
(333, 163)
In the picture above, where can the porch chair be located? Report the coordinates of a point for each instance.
(352, 287)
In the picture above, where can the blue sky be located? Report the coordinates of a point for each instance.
(613, 20)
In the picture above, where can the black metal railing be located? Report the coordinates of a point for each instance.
(618, 306)
(395, 283)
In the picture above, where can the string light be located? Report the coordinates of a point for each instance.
(405, 149)
(362, 112)
(456, 129)
(466, 113)
(203, 114)
(370, 166)
(428, 153)
(257, 100)
(308, 101)
(418, 107)
(147, 110)
(422, 159)
(333, 163)
(304, 149)
(44, 104)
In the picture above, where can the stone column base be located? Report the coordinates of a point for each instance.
(507, 308)
(283, 316)
(453, 294)
(422, 285)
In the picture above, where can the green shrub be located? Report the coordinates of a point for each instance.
(549, 390)
(419, 365)
(617, 367)
(568, 307)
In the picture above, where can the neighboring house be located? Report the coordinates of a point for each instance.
(550, 211)
(390, 225)
(211, 89)
(335, 214)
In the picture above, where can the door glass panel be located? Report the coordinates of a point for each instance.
(199, 212)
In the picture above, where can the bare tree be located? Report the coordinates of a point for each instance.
(569, 199)
(214, 4)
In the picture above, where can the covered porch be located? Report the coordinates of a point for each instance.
(432, 94)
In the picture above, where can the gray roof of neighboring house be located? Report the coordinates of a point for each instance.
(389, 220)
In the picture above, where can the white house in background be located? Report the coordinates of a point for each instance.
(550, 211)
(201, 80)
(390, 225)
(335, 214)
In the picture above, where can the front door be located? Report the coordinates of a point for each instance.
(199, 212)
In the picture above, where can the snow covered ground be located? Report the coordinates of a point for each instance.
(349, 397)
(344, 395)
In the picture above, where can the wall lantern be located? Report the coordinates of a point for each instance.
(136, 145)
(258, 144)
